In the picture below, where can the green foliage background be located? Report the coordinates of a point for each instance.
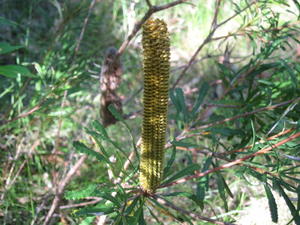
(50, 97)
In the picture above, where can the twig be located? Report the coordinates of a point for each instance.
(221, 156)
(214, 23)
(149, 3)
(208, 38)
(38, 105)
(185, 212)
(173, 69)
(55, 150)
(203, 151)
(259, 142)
(148, 14)
(84, 26)
(8, 179)
(56, 144)
(81, 204)
(245, 114)
(35, 108)
(9, 182)
(233, 163)
(221, 105)
(126, 101)
(243, 32)
(184, 134)
(61, 188)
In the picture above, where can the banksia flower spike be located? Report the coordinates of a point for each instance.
(156, 45)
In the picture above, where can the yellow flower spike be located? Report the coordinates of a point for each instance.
(156, 45)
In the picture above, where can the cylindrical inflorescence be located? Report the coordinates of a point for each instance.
(156, 45)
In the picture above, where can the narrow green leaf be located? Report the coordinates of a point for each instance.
(88, 220)
(131, 206)
(287, 200)
(141, 220)
(200, 191)
(129, 220)
(183, 218)
(186, 171)
(225, 70)
(170, 162)
(119, 117)
(106, 195)
(298, 7)
(80, 194)
(154, 216)
(12, 71)
(96, 211)
(181, 101)
(291, 72)
(6, 47)
(100, 128)
(175, 101)
(203, 183)
(263, 67)
(207, 163)
(201, 95)
(298, 196)
(61, 111)
(98, 138)
(253, 134)
(272, 204)
(119, 220)
(282, 183)
(221, 189)
(253, 173)
(130, 175)
(190, 196)
(115, 112)
(84, 149)
(164, 209)
(227, 188)
(7, 21)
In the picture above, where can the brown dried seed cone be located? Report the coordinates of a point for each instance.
(156, 45)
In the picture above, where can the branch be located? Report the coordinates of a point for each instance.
(84, 26)
(61, 188)
(213, 28)
(35, 108)
(81, 204)
(184, 134)
(259, 142)
(149, 3)
(245, 114)
(185, 212)
(221, 105)
(208, 151)
(38, 105)
(222, 155)
(214, 23)
(148, 14)
(233, 163)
